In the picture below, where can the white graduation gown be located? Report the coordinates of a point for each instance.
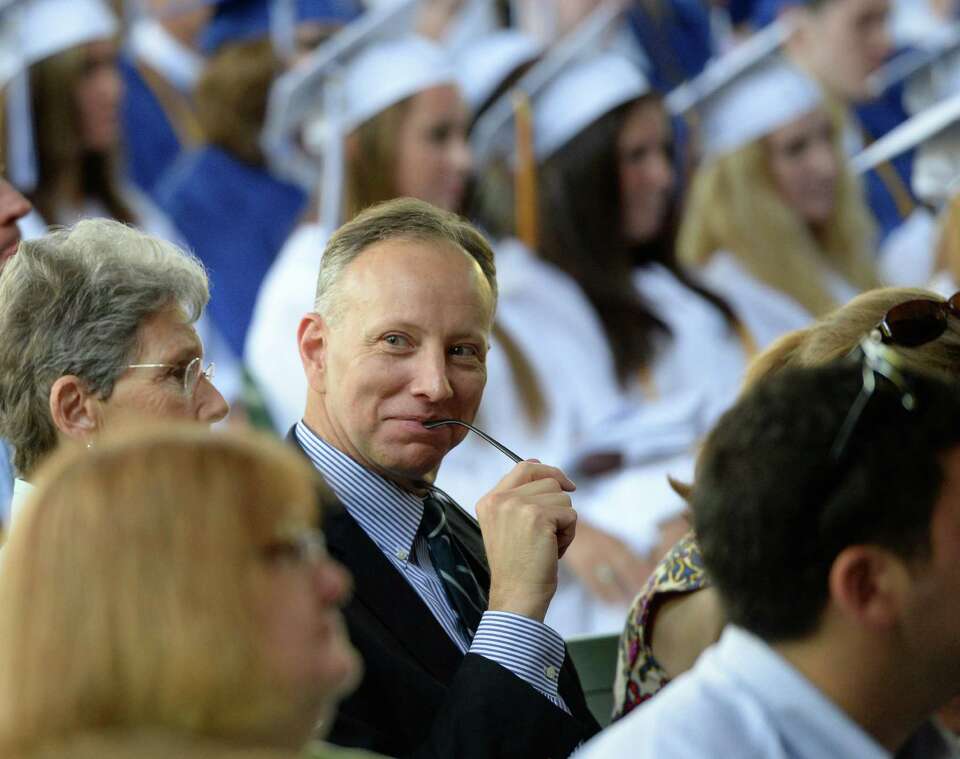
(271, 351)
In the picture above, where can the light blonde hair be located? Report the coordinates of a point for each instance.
(836, 334)
(129, 586)
(733, 205)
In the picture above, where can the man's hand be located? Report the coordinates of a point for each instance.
(608, 566)
(527, 523)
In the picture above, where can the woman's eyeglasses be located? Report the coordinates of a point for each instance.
(296, 547)
(917, 322)
(192, 372)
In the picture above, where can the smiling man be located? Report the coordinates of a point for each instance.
(448, 617)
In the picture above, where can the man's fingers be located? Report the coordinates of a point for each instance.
(532, 470)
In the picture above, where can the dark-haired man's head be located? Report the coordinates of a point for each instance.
(854, 560)
(773, 510)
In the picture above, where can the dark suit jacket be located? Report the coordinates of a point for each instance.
(420, 697)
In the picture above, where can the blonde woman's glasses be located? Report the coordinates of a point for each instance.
(192, 372)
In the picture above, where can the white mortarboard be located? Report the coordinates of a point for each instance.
(362, 70)
(935, 132)
(758, 48)
(51, 26)
(581, 94)
(492, 134)
(11, 53)
(747, 93)
(752, 105)
(486, 63)
(46, 27)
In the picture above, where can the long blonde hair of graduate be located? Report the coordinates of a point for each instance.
(129, 584)
(733, 205)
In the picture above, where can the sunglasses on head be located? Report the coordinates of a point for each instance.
(917, 322)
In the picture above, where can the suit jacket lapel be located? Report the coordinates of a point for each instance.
(381, 589)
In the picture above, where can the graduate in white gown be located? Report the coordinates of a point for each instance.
(775, 219)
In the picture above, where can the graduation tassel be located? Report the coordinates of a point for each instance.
(525, 180)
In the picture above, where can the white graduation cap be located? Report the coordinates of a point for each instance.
(935, 132)
(49, 27)
(719, 72)
(492, 134)
(46, 27)
(757, 102)
(11, 54)
(747, 93)
(581, 94)
(362, 70)
(485, 64)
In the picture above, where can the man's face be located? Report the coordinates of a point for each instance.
(932, 618)
(844, 41)
(408, 343)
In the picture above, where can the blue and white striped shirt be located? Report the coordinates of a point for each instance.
(390, 516)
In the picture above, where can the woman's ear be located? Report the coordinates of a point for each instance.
(75, 411)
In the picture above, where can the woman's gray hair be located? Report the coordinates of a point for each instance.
(72, 302)
(403, 218)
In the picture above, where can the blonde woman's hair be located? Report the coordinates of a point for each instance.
(733, 205)
(833, 336)
(127, 596)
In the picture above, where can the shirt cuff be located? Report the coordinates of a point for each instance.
(529, 649)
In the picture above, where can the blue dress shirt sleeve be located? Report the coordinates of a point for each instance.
(529, 649)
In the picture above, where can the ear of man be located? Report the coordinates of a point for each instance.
(312, 340)
(868, 585)
(75, 411)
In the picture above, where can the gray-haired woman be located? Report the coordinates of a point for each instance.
(98, 330)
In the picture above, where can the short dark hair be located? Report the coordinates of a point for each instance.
(772, 510)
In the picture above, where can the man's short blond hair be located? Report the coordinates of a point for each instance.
(399, 219)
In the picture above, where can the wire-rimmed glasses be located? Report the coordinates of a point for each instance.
(192, 373)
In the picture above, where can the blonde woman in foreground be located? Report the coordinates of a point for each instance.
(166, 594)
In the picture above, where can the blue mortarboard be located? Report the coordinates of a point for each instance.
(236, 20)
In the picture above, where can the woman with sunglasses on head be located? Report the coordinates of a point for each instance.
(677, 614)
(98, 324)
(210, 618)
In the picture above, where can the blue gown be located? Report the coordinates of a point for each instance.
(889, 192)
(153, 138)
(235, 217)
(676, 38)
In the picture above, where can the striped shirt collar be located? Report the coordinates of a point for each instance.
(387, 513)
